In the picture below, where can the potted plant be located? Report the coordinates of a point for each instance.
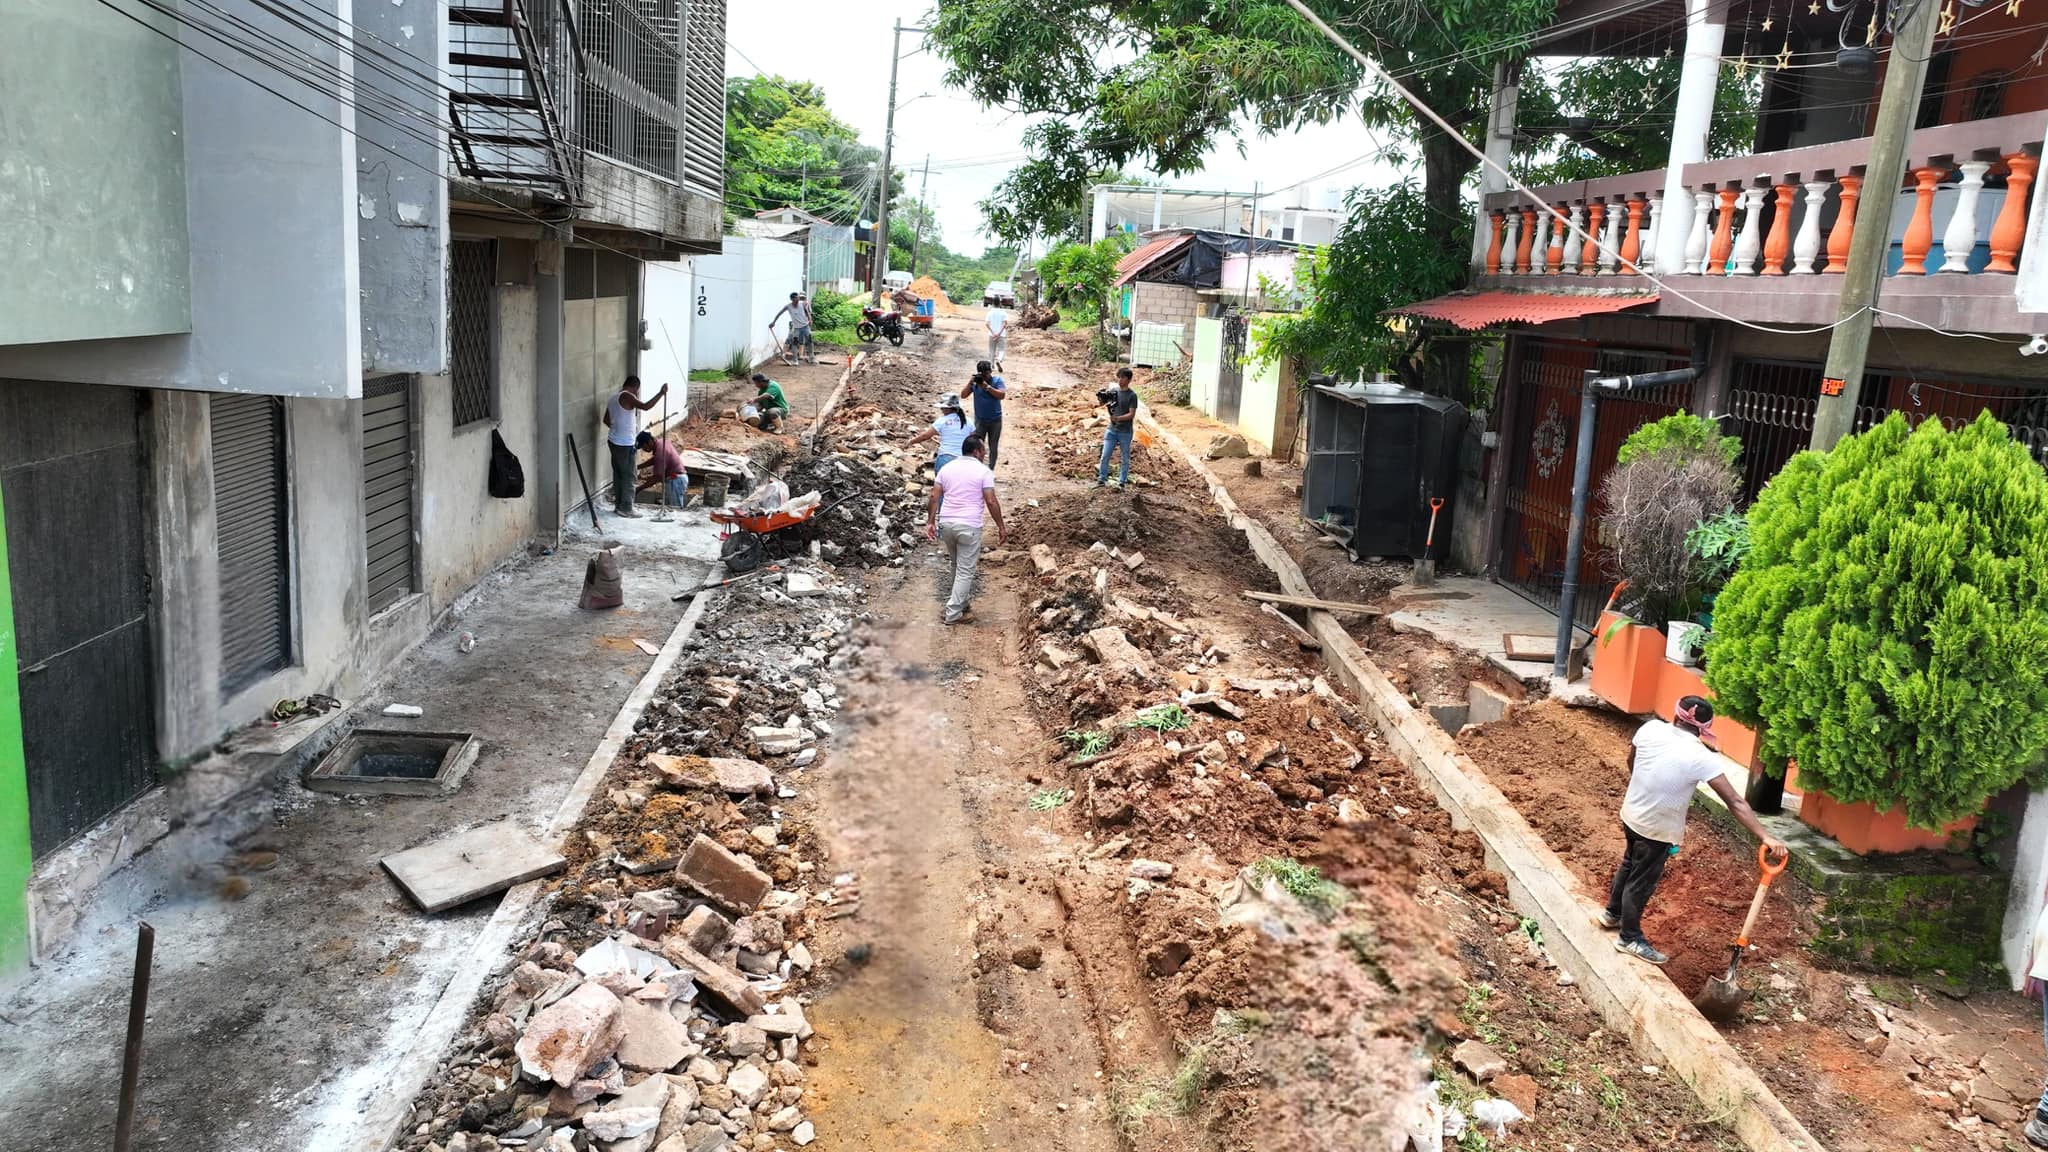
(1889, 629)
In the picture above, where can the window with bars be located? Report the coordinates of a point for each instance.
(472, 362)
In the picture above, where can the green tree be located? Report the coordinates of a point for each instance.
(1606, 116)
(1076, 273)
(1889, 626)
(783, 146)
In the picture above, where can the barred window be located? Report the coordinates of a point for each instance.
(472, 366)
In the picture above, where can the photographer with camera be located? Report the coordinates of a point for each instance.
(987, 389)
(1122, 403)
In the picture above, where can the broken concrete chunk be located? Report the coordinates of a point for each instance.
(705, 930)
(748, 1084)
(802, 584)
(571, 1035)
(1227, 446)
(1487, 703)
(724, 987)
(1114, 650)
(620, 1123)
(1043, 560)
(789, 1021)
(1478, 1061)
(800, 957)
(1151, 869)
(785, 1119)
(1055, 657)
(1134, 561)
(1211, 703)
(803, 1134)
(654, 1041)
(731, 880)
(776, 741)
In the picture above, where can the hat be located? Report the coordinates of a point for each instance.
(949, 402)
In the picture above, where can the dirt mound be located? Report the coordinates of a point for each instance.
(767, 450)
(929, 288)
(874, 487)
(1035, 316)
(1170, 528)
(898, 382)
(1069, 350)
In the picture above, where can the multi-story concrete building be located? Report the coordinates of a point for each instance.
(281, 277)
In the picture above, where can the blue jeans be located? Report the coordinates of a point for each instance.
(2041, 1109)
(1112, 438)
(677, 491)
(943, 459)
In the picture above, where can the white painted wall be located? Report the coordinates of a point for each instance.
(668, 303)
(736, 292)
(2033, 278)
(2029, 879)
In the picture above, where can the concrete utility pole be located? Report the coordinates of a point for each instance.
(924, 209)
(879, 266)
(1904, 75)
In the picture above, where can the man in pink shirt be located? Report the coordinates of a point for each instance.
(961, 493)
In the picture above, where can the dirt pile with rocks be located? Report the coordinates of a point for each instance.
(662, 1002)
(874, 485)
(899, 382)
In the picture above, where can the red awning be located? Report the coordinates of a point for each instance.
(1476, 310)
(1148, 254)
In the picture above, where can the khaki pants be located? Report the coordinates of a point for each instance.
(962, 543)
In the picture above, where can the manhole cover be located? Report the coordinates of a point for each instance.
(395, 763)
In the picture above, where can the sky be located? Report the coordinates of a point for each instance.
(844, 48)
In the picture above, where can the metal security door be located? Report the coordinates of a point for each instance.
(1230, 374)
(69, 453)
(387, 490)
(253, 537)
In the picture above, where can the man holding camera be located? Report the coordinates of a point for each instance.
(987, 389)
(1122, 403)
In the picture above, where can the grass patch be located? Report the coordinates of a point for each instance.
(1305, 883)
(1185, 1089)
(837, 337)
(1047, 799)
(1086, 745)
(739, 364)
(708, 376)
(1075, 322)
(1164, 718)
(1242, 1022)
(1135, 1099)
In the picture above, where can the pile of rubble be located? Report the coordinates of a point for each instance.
(898, 380)
(1037, 316)
(661, 1007)
(878, 486)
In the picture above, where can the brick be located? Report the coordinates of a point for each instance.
(705, 930)
(727, 989)
(731, 880)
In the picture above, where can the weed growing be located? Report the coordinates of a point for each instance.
(1304, 882)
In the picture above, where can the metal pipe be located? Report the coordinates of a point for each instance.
(131, 1053)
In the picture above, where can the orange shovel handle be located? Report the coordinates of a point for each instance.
(1771, 871)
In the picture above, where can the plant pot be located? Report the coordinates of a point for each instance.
(1677, 681)
(1862, 829)
(1627, 659)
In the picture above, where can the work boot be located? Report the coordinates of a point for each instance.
(1641, 950)
(1607, 920)
(2037, 1131)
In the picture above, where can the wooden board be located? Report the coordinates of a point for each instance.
(700, 460)
(460, 868)
(1311, 602)
(1527, 647)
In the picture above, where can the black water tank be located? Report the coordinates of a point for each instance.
(1378, 454)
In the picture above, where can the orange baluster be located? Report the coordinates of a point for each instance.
(1589, 257)
(1527, 244)
(2010, 229)
(1724, 234)
(1778, 245)
(1844, 230)
(1920, 229)
(1632, 240)
(1493, 245)
(1555, 257)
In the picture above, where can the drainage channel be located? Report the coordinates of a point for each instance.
(391, 763)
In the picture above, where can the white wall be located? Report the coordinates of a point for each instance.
(2023, 899)
(668, 304)
(737, 291)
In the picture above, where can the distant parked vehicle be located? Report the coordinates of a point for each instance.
(999, 294)
(896, 279)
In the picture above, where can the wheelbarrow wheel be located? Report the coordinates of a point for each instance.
(741, 552)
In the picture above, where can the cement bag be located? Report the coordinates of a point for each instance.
(601, 585)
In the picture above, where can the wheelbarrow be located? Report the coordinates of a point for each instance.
(1722, 998)
(751, 537)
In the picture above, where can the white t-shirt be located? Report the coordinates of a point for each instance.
(997, 321)
(952, 433)
(1670, 765)
(625, 427)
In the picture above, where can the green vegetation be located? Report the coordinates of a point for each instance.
(1084, 274)
(1681, 436)
(1135, 1099)
(834, 317)
(784, 147)
(1087, 745)
(1047, 799)
(739, 365)
(1242, 1021)
(709, 376)
(1305, 882)
(1672, 476)
(1889, 627)
(1162, 718)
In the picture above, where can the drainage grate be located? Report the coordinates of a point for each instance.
(395, 763)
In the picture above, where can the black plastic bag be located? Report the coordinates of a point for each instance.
(507, 479)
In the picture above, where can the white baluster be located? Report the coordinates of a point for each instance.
(1646, 258)
(1806, 245)
(1610, 236)
(1696, 241)
(1539, 253)
(1574, 243)
(1961, 237)
(1509, 243)
(1749, 244)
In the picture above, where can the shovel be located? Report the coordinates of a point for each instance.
(1425, 565)
(1722, 998)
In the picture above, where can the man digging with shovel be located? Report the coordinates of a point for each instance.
(1667, 762)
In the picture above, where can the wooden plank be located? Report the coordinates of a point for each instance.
(1311, 602)
(1528, 647)
(453, 871)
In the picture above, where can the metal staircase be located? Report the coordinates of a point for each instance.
(506, 61)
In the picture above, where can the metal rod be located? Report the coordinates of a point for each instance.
(588, 499)
(131, 1053)
(1575, 538)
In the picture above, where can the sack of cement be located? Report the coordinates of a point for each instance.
(601, 585)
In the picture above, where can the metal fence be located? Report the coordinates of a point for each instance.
(631, 85)
(473, 267)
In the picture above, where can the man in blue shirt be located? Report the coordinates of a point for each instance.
(987, 389)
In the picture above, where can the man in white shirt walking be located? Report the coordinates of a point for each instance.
(961, 493)
(800, 346)
(1668, 762)
(998, 322)
(622, 417)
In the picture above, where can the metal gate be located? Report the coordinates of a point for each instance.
(1230, 373)
(387, 489)
(253, 537)
(71, 473)
(1545, 442)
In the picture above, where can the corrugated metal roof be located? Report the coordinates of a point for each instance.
(1476, 310)
(1149, 253)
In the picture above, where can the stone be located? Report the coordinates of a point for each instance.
(776, 741)
(803, 1133)
(788, 1022)
(1043, 560)
(1115, 651)
(1151, 869)
(654, 1041)
(715, 1098)
(1518, 1090)
(800, 957)
(1211, 703)
(675, 1111)
(1350, 811)
(704, 1071)
(744, 1040)
(1134, 561)
(570, 1035)
(725, 988)
(1478, 1061)
(653, 1092)
(802, 584)
(621, 1123)
(742, 777)
(660, 903)
(729, 879)
(748, 1084)
(1227, 446)
(785, 1119)
(705, 930)
(1055, 657)
(499, 1031)
(1486, 703)
(1030, 957)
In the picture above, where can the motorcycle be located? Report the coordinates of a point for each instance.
(879, 322)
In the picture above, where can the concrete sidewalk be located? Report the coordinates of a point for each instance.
(285, 991)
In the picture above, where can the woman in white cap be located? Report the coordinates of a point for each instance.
(950, 429)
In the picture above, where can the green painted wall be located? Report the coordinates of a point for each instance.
(92, 175)
(14, 849)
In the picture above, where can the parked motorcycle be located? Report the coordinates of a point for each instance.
(879, 322)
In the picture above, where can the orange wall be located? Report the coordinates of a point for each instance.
(1991, 42)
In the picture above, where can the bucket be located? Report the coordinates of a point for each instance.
(1682, 642)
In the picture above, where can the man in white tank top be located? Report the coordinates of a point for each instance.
(622, 417)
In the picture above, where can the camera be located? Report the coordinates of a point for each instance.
(1105, 395)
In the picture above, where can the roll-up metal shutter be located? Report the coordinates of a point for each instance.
(253, 537)
(703, 96)
(387, 489)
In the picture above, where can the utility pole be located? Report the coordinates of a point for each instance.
(879, 266)
(1904, 75)
(924, 209)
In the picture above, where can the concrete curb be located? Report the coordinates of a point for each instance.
(1656, 1017)
(831, 403)
(390, 1113)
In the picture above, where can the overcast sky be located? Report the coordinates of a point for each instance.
(845, 49)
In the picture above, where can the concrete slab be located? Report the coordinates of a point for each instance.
(1487, 620)
(267, 739)
(454, 870)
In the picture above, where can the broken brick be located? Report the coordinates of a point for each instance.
(728, 878)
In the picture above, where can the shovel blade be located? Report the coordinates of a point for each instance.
(1425, 573)
(1721, 998)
